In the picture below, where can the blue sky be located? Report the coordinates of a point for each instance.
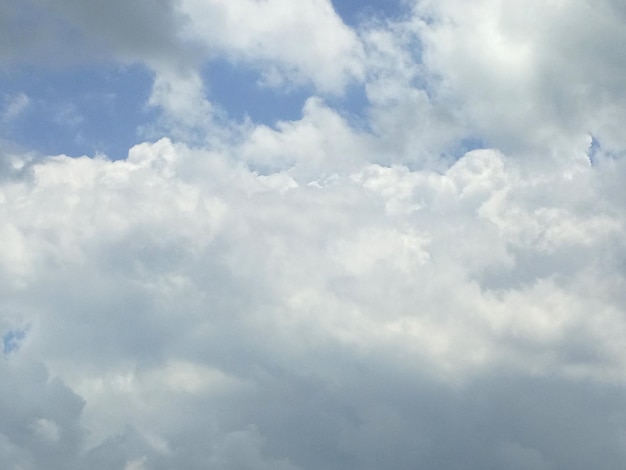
(101, 106)
(312, 235)
(80, 110)
(11, 341)
(353, 11)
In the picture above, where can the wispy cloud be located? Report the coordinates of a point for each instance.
(14, 107)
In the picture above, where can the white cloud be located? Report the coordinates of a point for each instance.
(530, 76)
(301, 42)
(178, 272)
(187, 113)
(316, 296)
(321, 143)
(412, 127)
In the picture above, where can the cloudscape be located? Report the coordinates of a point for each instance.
(312, 235)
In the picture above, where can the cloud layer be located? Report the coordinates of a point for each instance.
(437, 283)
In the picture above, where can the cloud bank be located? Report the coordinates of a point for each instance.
(437, 282)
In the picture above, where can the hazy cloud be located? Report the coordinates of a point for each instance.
(14, 106)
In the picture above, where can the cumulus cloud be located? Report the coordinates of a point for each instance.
(193, 286)
(531, 76)
(325, 295)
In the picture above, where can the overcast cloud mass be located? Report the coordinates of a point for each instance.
(424, 269)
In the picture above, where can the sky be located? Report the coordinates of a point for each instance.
(312, 235)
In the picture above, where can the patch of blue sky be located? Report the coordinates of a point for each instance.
(100, 108)
(457, 149)
(470, 143)
(597, 152)
(594, 150)
(12, 341)
(77, 110)
(353, 105)
(354, 12)
(238, 90)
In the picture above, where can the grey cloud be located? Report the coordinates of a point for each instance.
(64, 32)
(40, 418)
